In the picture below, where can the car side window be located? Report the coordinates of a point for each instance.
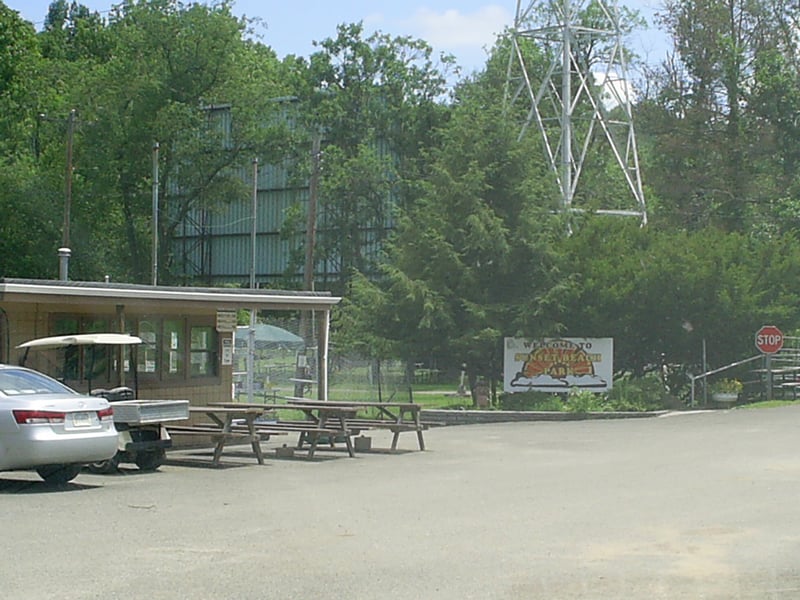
(17, 382)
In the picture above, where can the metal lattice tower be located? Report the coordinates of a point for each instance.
(584, 88)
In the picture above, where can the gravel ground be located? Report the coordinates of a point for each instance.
(680, 506)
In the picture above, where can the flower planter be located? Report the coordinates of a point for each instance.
(725, 397)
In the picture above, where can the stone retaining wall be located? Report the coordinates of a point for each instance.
(470, 417)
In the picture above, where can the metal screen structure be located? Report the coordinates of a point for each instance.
(582, 96)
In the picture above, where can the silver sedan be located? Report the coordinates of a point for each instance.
(50, 428)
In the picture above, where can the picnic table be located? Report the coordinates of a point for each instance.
(321, 422)
(227, 423)
(397, 417)
(330, 421)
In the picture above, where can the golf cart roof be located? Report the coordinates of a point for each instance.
(83, 339)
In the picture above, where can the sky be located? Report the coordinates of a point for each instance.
(464, 28)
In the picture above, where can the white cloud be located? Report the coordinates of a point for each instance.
(454, 30)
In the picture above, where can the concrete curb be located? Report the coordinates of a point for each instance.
(470, 417)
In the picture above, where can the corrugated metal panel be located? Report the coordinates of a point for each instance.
(216, 245)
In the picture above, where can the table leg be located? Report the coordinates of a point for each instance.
(255, 442)
(226, 427)
(218, 450)
(420, 439)
(348, 442)
(312, 444)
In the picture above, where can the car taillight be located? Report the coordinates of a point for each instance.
(34, 417)
(105, 414)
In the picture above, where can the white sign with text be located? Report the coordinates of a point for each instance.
(558, 364)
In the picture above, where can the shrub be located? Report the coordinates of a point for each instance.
(530, 401)
(634, 394)
(584, 401)
(640, 394)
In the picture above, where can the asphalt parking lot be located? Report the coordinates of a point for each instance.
(689, 506)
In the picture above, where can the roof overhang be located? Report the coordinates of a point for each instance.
(52, 291)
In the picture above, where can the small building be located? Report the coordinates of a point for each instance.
(187, 333)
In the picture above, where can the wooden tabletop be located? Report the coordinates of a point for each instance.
(350, 404)
(223, 410)
(255, 406)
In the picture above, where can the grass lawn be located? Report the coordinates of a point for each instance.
(428, 395)
(768, 404)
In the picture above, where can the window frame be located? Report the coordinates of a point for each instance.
(168, 331)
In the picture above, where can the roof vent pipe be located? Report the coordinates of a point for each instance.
(63, 263)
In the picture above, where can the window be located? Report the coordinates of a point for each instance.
(174, 347)
(89, 363)
(203, 352)
(165, 352)
(146, 359)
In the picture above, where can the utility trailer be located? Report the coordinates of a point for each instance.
(142, 436)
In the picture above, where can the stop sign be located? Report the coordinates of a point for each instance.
(769, 339)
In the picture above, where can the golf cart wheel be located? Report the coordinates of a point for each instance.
(105, 467)
(150, 460)
(59, 474)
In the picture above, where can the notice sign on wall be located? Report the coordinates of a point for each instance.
(227, 351)
(226, 321)
(558, 364)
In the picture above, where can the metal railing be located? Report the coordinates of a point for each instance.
(704, 376)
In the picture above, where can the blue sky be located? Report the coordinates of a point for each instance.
(464, 28)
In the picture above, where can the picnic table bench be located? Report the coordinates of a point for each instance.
(226, 424)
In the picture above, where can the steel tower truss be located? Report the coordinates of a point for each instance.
(584, 89)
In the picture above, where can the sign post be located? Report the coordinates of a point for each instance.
(769, 340)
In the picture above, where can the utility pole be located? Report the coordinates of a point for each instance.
(251, 334)
(311, 216)
(64, 251)
(155, 213)
(68, 179)
(306, 317)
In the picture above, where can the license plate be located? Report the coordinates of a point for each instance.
(82, 419)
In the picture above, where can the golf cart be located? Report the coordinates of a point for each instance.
(141, 433)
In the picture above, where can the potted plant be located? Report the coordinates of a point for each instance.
(726, 390)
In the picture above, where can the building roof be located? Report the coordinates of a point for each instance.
(38, 290)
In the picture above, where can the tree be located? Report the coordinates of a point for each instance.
(709, 153)
(469, 261)
(19, 54)
(72, 32)
(29, 231)
(182, 76)
(374, 102)
(662, 294)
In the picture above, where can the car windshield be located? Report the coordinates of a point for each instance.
(17, 382)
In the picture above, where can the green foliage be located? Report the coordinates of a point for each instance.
(374, 100)
(639, 394)
(726, 386)
(583, 401)
(156, 71)
(17, 42)
(720, 286)
(531, 401)
(628, 394)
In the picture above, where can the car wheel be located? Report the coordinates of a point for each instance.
(59, 474)
(104, 467)
(150, 460)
